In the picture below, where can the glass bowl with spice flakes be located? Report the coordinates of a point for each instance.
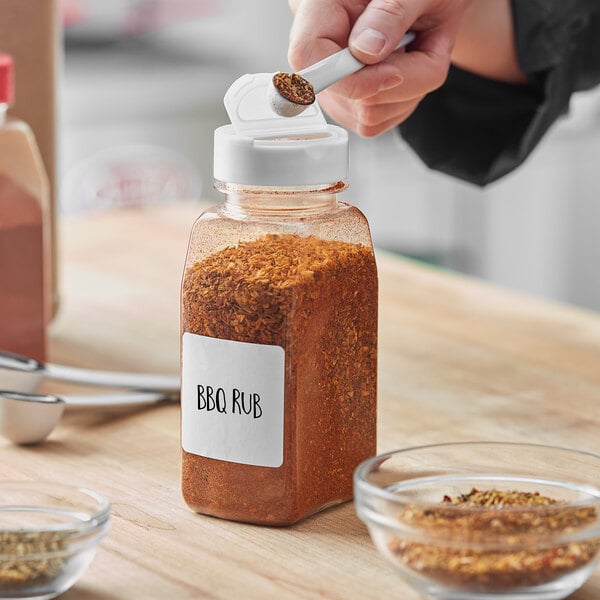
(484, 520)
(49, 533)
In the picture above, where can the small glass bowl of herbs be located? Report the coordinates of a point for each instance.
(49, 533)
(484, 520)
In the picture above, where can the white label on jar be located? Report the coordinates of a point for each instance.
(232, 400)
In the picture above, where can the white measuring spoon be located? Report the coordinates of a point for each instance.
(27, 418)
(321, 75)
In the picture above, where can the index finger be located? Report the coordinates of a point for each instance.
(320, 28)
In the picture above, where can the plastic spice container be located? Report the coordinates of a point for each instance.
(25, 294)
(279, 322)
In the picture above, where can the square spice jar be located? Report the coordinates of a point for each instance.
(279, 329)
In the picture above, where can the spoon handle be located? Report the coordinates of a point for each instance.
(112, 399)
(116, 399)
(339, 65)
(139, 381)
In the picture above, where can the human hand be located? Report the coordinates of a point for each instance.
(388, 90)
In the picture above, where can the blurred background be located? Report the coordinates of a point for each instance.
(142, 92)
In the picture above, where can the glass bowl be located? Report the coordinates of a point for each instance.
(479, 521)
(48, 536)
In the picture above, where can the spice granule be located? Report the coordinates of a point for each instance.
(19, 571)
(524, 561)
(294, 88)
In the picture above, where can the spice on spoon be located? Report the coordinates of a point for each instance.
(519, 562)
(294, 88)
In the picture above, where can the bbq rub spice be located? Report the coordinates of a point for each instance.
(314, 303)
(294, 88)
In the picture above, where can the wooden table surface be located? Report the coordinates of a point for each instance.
(459, 360)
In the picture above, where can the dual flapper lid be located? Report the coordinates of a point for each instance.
(264, 149)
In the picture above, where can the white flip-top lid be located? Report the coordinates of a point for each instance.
(262, 148)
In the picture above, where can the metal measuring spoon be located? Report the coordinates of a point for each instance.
(291, 100)
(28, 373)
(27, 418)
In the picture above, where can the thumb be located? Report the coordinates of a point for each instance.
(379, 29)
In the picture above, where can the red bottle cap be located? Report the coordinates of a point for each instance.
(7, 82)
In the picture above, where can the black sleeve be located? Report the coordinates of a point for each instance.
(477, 129)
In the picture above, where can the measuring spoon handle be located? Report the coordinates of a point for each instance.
(339, 65)
(136, 381)
(113, 399)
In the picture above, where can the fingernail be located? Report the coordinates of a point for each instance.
(369, 41)
(391, 82)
